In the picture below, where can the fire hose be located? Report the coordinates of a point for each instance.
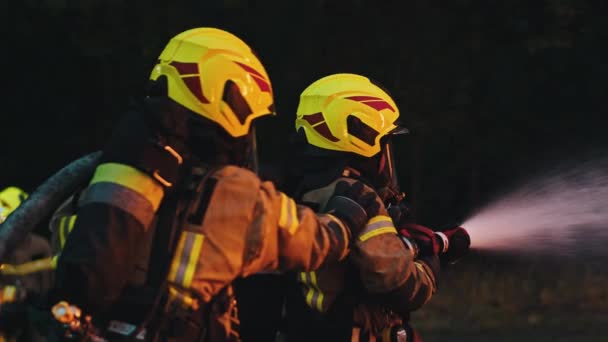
(44, 200)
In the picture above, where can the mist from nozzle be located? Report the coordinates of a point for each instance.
(563, 211)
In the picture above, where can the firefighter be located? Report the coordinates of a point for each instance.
(174, 212)
(10, 199)
(345, 124)
(25, 275)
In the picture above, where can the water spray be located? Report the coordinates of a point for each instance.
(564, 211)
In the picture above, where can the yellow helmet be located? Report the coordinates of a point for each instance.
(346, 112)
(10, 199)
(216, 75)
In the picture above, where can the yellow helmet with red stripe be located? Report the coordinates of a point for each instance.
(10, 199)
(346, 112)
(216, 75)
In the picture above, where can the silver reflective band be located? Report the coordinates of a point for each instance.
(408, 244)
(446, 241)
(401, 335)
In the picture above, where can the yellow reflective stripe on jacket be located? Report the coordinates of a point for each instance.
(429, 280)
(377, 225)
(8, 294)
(186, 258)
(314, 295)
(185, 300)
(131, 178)
(66, 224)
(288, 218)
(346, 234)
(27, 268)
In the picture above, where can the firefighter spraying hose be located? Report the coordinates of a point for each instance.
(453, 243)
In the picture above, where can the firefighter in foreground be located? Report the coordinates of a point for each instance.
(24, 277)
(174, 212)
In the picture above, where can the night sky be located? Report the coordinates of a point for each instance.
(492, 91)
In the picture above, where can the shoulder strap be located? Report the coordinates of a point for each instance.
(175, 209)
(171, 218)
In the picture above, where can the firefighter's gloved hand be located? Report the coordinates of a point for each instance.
(353, 205)
(459, 243)
(425, 238)
(399, 213)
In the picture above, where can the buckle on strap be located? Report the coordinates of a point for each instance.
(171, 177)
(125, 329)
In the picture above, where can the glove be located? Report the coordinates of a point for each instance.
(459, 243)
(353, 205)
(399, 213)
(425, 239)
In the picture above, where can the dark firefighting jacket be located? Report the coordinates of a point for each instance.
(383, 263)
(240, 226)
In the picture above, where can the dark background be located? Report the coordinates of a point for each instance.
(491, 90)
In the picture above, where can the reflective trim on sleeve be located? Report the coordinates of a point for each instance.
(66, 224)
(288, 218)
(27, 268)
(123, 198)
(377, 225)
(445, 240)
(425, 272)
(62, 232)
(345, 234)
(185, 300)
(314, 295)
(409, 245)
(185, 259)
(131, 178)
(8, 294)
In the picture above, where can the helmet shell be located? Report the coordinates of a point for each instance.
(201, 63)
(10, 199)
(346, 112)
